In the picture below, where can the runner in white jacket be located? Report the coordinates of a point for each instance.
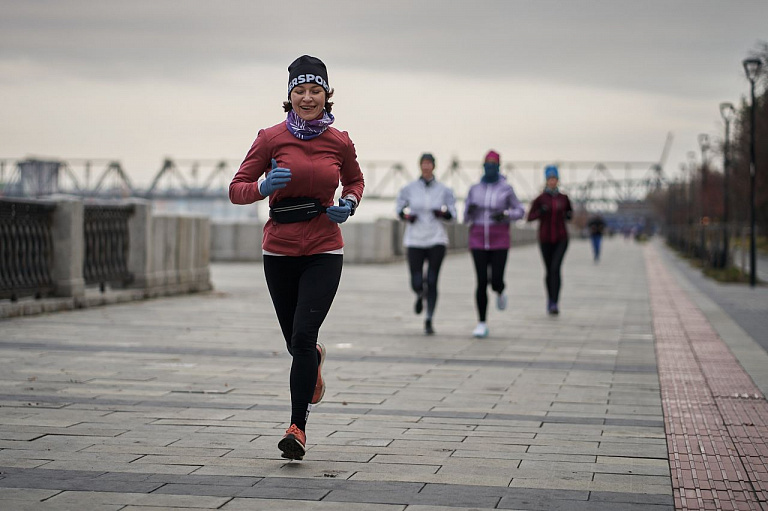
(425, 206)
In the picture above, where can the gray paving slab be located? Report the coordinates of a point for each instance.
(249, 504)
(179, 402)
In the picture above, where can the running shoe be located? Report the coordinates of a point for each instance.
(553, 309)
(293, 443)
(419, 305)
(480, 331)
(501, 301)
(320, 384)
(428, 327)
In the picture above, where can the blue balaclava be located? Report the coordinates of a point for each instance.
(491, 167)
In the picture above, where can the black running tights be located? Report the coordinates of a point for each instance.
(434, 257)
(302, 290)
(488, 260)
(553, 254)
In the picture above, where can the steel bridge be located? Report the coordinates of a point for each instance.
(593, 184)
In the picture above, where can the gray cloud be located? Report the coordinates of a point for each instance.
(659, 45)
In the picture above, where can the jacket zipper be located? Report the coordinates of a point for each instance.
(487, 225)
(552, 234)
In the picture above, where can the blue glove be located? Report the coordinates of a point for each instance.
(340, 213)
(277, 178)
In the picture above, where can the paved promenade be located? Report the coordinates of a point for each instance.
(178, 403)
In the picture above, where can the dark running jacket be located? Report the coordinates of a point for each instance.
(551, 211)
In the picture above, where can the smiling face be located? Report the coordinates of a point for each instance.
(308, 101)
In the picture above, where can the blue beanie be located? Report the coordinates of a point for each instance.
(551, 171)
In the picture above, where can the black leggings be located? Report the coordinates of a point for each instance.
(302, 290)
(496, 261)
(434, 257)
(553, 254)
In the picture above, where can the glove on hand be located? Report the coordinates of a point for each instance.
(499, 216)
(543, 208)
(471, 208)
(442, 213)
(407, 216)
(277, 178)
(340, 213)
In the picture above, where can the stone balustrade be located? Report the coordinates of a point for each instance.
(166, 255)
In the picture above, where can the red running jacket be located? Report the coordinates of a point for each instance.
(317, 166)
(552, 211)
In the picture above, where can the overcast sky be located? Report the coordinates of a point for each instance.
(536, 80)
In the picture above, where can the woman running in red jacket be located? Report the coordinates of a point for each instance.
(303, 159)
(552, 209)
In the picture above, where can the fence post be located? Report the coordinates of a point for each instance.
(68, 247)
(139, 239)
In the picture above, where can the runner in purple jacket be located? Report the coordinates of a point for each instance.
(490, 207)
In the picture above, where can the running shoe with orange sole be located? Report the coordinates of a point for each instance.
(293, 444)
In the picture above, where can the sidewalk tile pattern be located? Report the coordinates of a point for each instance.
(716, 419)
(179, 403)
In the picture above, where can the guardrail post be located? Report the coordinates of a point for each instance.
(68, 249)
(140, 236)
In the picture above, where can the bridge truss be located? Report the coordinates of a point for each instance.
(595, 184)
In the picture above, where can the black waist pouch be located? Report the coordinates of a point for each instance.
(295, 209)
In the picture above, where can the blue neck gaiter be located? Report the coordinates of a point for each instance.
(491, 172)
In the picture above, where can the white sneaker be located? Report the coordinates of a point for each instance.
(501, 301)
(481, 330)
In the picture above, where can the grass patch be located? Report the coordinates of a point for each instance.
(730, 275)
(726, 275)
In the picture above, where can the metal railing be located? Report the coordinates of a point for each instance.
(26, 248)
(105, 233)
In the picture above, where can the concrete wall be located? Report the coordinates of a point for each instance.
(236, 241)
(179, 254)
(380, 241)
(168, 253)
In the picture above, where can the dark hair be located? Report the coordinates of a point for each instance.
(287, 106)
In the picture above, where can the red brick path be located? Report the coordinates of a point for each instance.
(716, 419)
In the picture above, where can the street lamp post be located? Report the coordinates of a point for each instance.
(704, 208)
(692, 205)
(752, 69)
(727, 112)
(704, 146)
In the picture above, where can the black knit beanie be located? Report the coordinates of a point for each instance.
(427, 156)
(306, 69)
